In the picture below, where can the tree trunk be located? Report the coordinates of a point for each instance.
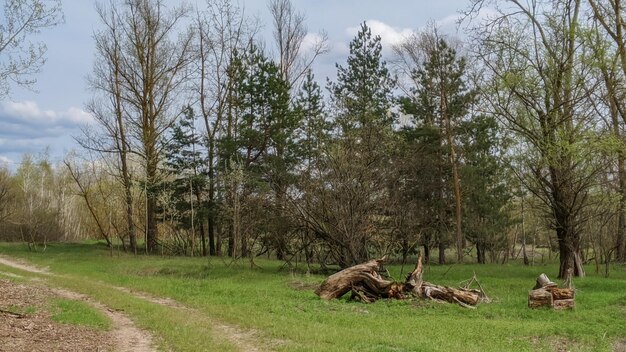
(151, 202)
(367, 285)
(203, 238)
(442, 253)
(426, 254)
(151, 234)
(212, 207)
(621, 226)
(480, 253)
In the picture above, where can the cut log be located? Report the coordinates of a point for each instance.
(562, 304)
(547, 294)
(561, 293)
(543, 281)
(539, 298)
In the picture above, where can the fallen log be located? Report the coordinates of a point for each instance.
(367, 286)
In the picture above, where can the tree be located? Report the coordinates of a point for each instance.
(362, 94)
(346, 203)
(151, 73)
(108, 108)
(538, 87)
(21, 58)
(443, 97)
(222, 31)
(6, 194)
(486, 187)
(609, 17)
(290, 32)
(184, 164)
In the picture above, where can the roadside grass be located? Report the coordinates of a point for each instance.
(21, 310)
(67, 311)
(281, 306)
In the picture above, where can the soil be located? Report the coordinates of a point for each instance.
(38, 332)
(126, 337)
(26, 323)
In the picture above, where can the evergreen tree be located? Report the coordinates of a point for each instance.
(187, 182)
(442, 100)
(314, 128)
(486, 191)
(363, 91)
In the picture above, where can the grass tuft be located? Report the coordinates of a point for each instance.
(66, 311)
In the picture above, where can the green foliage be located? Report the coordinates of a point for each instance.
(185, 166)
(363, 90)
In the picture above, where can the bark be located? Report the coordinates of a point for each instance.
(539, 298)
(480, 253)
(367, 285)
(547, 294)
(442, 253)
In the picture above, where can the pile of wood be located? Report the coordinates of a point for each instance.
(547, 294)
(367, 285)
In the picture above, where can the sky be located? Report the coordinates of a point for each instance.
(48, 118)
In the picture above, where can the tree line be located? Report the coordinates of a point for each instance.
(209, 140)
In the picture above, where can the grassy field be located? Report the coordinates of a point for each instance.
(284, 313)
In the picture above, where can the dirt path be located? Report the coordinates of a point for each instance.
(18, 264)
(27, 323)
(244, 340)
(127, 337)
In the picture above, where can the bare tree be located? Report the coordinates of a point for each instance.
(290, 32)
(108, 110)
(21, 58)
(145, 71)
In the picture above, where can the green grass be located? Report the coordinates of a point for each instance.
(74, 312)
(21, 310)
(282, 307)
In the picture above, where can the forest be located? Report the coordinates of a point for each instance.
(504, 141)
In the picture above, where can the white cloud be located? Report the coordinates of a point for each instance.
(389, 35)
(29, 112)
(310, 41)
(25, 127)
(5, 160)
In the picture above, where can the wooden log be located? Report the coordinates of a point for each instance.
(561, 293)
(450, 294)
(341, 282)
(367, 286)
(539, 298)
(562, 304)
(543, 281)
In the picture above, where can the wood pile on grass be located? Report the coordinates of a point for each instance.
(547, 294)
(367, 285)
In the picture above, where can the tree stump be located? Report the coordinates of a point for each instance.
(547, 294)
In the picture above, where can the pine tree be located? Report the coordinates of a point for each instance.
(442, 100)
(187, 182)
(363, 91)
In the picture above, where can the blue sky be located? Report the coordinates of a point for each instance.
(30, 121)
